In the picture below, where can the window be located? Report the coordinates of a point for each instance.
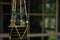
(44, 19)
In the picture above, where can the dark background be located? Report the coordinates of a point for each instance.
(34, 20)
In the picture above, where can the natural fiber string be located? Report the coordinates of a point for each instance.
(26, 20)
(12, 18)
(21, 16)
(14, 9)
(12, 21)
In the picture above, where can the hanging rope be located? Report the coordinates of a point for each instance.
(21, 13)
(13, 19)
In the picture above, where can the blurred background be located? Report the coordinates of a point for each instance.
(44, 18)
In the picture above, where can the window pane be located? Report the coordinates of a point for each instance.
(51, 37)
(6, 9)
(50, 7)
(35, 26)
(1, 20)
(6, 23)
(59, 20)
(58, 37)
(7, 0)
(5, 38)
(35, 6)
(46, 38)
(36, 38)
(6, 17)
(50, 24)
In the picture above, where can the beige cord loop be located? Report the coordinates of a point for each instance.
(25, 14)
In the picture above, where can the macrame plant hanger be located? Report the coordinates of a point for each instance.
(13, 27)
